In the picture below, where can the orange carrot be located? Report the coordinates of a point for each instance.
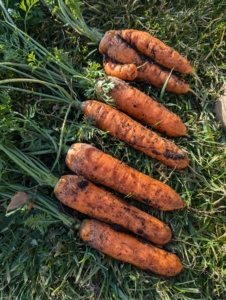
(83, 196)
(99, 167)
(117, 49)
(152, 47)
(127, 248)
(155, 75)
(142, 107)
(124, 71)
(134, 134)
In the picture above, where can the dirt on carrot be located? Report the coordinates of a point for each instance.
(115, 47)
(85, 197)
(127, 248)
(99, 167)
(142, 107)
(152, 47)
(124, 71)
(134, 134)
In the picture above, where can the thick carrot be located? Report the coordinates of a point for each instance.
(148, 71)
(97, 166)
(134, 134)
(127, 248)
(142, 107)
(114, 47)
(156, 49)
(124, 71)
(85, 197)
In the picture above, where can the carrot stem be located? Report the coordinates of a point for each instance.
(48, 84)
(197, 77)
(51, 97)
(193, 92)
(61, 136)
(42, 202)
(67, 12)
(30, 166)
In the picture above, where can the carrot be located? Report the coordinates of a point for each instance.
(104, 169)
(124, 71)
(155, 75)
(127, 248)
(142, 107)
(118, 50)
(85, 197)
(156, 49)
(148, 71)
(134, 134)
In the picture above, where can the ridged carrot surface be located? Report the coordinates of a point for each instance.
(152, 47)
(142, 107)
(115, 48)
(99, 167)
(127, 248)
(124, 71)
(85, 197)
(134, 134)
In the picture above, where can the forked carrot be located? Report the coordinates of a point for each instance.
(134, 134)
(149, 71)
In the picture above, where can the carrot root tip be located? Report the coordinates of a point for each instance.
(197, 77)
(193, 92)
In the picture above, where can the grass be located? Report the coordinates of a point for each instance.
(42, 256)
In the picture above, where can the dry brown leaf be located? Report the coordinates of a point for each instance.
(220, 108)
(19, 199)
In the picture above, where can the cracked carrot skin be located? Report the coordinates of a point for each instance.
(142, 107)
(124, 71)
(157, 50)
(127, 248)
(148, 71)
(99, 167)
(124, 128)
(85, 197)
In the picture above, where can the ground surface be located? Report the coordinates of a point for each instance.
(42, 256)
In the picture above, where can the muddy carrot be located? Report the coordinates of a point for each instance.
(155, 75)
(154, 48)
(118, 50)
(85, 197)
(142, 107)
(99, 167)
(124, 71)
(134, 134)
(148, 70)
(127, 248)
